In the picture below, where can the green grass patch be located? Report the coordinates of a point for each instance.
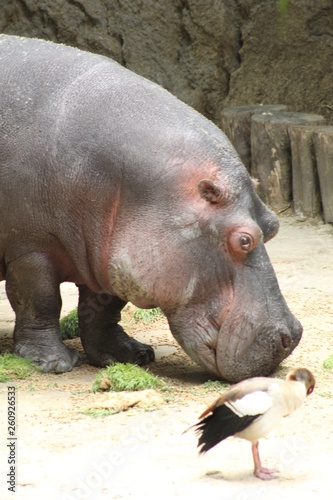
(125, 377)
(328, 363)
(98, 412)
(215, 385)
(147, 315)
(326, 394)
(14, 367)
(69, 325)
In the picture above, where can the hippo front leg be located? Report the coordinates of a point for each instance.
(103, 340)
(32, 288)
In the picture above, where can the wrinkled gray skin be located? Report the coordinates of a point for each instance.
(110, 182)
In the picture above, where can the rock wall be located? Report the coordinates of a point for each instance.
(210, 53)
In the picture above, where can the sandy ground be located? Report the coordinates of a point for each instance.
(141, 453)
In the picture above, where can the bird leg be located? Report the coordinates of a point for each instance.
(259, 471)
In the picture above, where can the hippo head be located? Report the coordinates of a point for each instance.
(201, 257)
(238, 324)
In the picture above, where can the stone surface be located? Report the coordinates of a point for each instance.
(211, 54)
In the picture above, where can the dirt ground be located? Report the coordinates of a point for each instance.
(141, 453)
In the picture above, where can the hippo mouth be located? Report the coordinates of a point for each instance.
(235, 352)
(255, 353)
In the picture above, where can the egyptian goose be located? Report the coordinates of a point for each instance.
(252, 408)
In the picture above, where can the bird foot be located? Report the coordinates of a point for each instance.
(264, 473)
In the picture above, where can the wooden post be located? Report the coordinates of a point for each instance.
(271, 155)
(236, 124)
(323, 142)
(305, 180)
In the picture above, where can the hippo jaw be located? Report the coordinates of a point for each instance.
(236, 352)
(257, 352)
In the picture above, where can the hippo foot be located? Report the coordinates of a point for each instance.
(58, 359)
(118, 346)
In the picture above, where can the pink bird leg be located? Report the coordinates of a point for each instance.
(259, 471)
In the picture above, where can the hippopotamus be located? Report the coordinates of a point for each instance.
(112, 183)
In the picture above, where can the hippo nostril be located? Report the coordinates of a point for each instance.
(285, 340)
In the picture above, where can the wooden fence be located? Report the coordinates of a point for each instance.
(291, 155)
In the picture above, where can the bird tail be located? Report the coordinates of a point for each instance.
(219, 425)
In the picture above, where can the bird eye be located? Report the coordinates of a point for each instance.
(310, 390)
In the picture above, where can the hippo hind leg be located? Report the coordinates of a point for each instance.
(103, 340)
(33, 290)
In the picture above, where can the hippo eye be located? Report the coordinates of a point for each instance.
(243, 240)
(246, 243)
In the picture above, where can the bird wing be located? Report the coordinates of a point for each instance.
(242, 389)
(254, 403)
(222, 423)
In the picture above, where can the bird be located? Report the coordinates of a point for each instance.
(252, 408)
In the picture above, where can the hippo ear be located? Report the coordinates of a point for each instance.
(210, 191)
